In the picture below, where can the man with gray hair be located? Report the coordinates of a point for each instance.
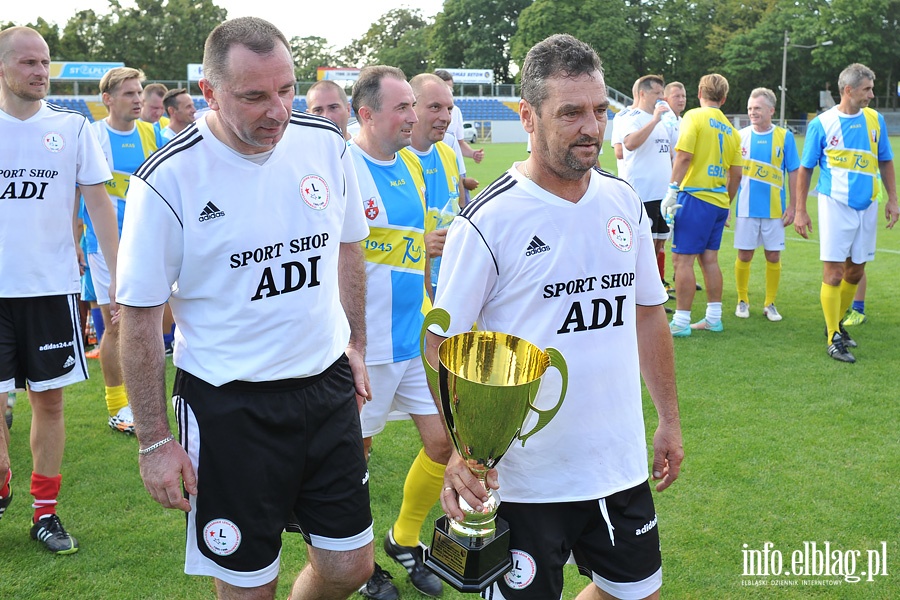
(769, 173)
(249, 225)
(580, 486)
(849, 143)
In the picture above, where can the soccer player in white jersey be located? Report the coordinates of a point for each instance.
(45, 152)
(849, 143)
(181, 111)
(591, 290)
(615, 138)
(249, 225)
(647, 154)
(392, 185)
(327, 99)
(761, 214)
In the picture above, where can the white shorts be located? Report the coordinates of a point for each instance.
(100, 277)
(845, 232)
(399, 386)
(751, 232)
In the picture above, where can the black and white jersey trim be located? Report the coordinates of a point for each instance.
(184, 140)
(500, 185)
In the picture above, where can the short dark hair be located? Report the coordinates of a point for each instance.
(646, 82)
(559, 55)
(367, 89)
(328, 83)
(257, 35)
(444, 74)
(170, 99)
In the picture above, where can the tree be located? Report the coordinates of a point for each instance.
(600, 23)
(82, 37)
(160, 37)
(310, 53)
(397, 38)
(476, 34)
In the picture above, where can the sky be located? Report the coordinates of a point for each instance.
(312, 19)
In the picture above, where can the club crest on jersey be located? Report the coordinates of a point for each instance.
(222, 537)
(371, 208)
(54, 142)
(620, 234)
(314, 191)
(524, 568)
(834, 141)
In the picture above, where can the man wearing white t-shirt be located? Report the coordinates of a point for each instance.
(180, 109)
(647, 154)
(249, 224)
(46, 151)
(574, 270)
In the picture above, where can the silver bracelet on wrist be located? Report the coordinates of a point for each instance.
(156, 446)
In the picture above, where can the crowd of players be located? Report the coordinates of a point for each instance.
(298, 262)
(692, 170)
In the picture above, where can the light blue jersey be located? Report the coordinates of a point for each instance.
(847, 149)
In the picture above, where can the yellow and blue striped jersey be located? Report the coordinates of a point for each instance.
(768, 158)
(847, 149)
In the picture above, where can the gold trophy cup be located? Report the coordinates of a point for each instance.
(487, 383)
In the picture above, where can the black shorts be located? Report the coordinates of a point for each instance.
(40, 342)
(658, 225)
(614, 541)
(271, 456)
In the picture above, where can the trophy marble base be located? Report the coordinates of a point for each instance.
(468, 565)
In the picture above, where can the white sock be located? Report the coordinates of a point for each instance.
(713, 312)
(682, 318)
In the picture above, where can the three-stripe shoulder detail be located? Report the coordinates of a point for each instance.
(183, 141)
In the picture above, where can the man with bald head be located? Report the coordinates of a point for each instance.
(46, 152)
(441, 164)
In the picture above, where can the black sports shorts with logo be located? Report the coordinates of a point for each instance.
(40, 342)
(271, 456)
(614, 540)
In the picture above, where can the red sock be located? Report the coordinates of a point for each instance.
(4, 491)
(661, 263)
(45, 490)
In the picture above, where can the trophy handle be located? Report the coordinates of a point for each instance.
(544, 416)
(436, 316)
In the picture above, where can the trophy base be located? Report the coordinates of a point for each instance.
(470, 565)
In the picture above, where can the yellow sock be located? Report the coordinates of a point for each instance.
(773, 278)
(831, 308)
(848, 290)
(421, 490)
(742, 280)
(115, 399)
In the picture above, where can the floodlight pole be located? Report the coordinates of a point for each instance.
(784, 67)
(783, 76)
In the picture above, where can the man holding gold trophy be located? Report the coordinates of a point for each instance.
(559, 253)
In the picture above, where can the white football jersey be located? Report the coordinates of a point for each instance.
(648, 168)
(521, 261)
(246, 254)
(41, 160)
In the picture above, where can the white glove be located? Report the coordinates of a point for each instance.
(668, 206)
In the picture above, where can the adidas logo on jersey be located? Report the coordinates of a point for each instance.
(536, 246)
(69, 362)
(210, 211)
